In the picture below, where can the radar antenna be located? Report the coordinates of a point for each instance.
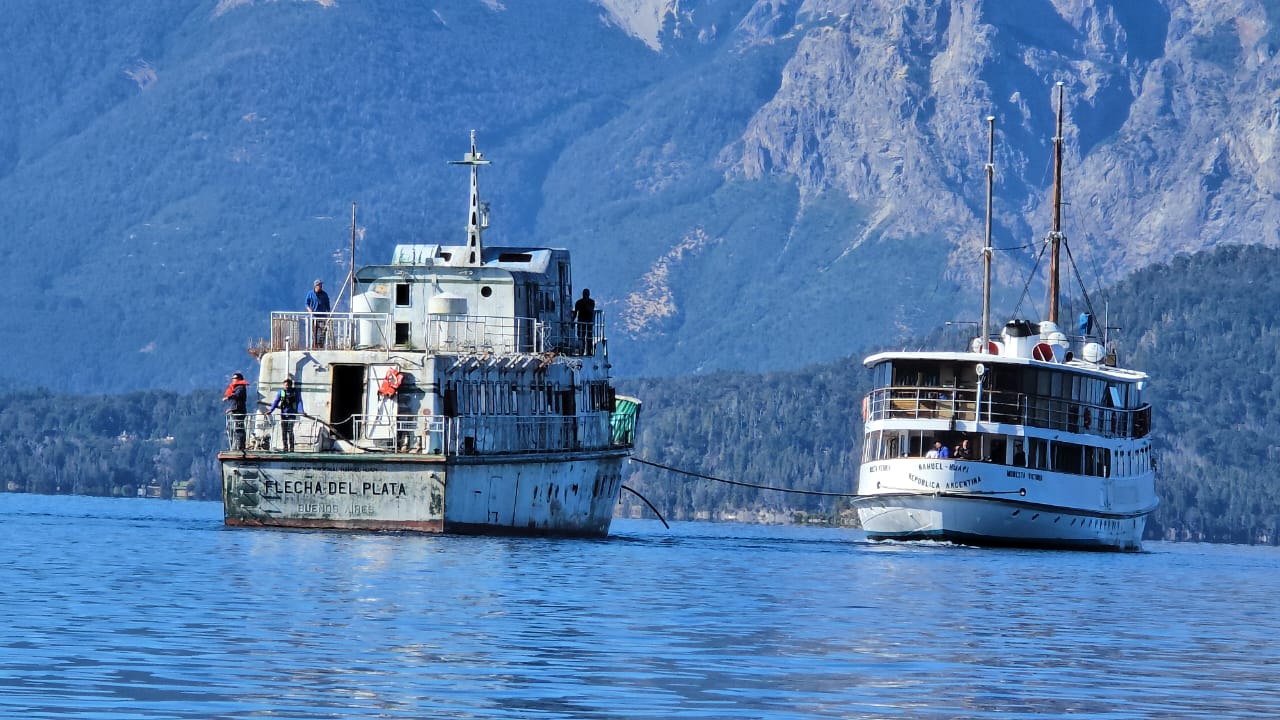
(478, 214)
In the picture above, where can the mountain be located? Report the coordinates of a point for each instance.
(746, 184)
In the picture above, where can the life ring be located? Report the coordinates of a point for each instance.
(390, 383)
(1088, 419)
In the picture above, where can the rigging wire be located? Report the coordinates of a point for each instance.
(739, 482)
(1026, 288)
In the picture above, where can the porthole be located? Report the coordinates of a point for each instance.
(486, 291)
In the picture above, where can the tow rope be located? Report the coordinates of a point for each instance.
(740, 483)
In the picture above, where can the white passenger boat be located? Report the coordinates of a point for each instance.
(1053, 435)
(458, 394)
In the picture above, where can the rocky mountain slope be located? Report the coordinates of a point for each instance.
(746, 184)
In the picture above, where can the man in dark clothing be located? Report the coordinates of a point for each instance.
(237, 395)
(318, 308)
(584, 315)
(289, 400)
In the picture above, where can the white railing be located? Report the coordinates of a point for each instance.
(262, 432)
(437, 435)
(332, 331)
(471, 333)
(443, 333)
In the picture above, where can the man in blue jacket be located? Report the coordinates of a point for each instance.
(318, 308)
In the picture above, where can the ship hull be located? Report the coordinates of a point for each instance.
(977, 503)
(568, 494)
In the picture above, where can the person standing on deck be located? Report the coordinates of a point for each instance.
(584, 314)
(318, 308)
(237, 394)
(289, 400)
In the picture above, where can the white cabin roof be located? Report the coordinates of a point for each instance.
(1074, 365)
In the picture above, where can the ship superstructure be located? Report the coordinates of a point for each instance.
(459, 393)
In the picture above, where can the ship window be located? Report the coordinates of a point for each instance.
(515, 257)
(1067, 457)
(402, 294)
(402, 333)
(1037, 453)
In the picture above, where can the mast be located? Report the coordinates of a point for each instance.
(1055, 234)
(351, 277)
(478, 215)
(986, 250)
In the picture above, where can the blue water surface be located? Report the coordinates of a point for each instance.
(152, 609)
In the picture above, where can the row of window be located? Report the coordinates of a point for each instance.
(1030, 452)
(502, 397)
(1056, 383)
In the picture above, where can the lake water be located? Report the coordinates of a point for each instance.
(152, 609)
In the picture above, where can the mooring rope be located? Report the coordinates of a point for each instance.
(740, 483)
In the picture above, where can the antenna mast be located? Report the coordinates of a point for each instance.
(478, 216)
(351, 277)
(1055, 234)
(986, 250)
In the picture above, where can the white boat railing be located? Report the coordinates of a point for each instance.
(436, 435)
(443, 333)
(263, 432)
(962, 404)
(329, 331)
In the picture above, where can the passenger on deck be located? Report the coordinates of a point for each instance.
(289, 400)
(318, 308)
(962, 451)
(237, 395)
(584, 315)
(935, 451)
(943, 450)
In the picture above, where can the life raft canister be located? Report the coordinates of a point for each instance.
(390, 383)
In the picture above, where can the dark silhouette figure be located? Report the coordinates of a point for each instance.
(584, 315)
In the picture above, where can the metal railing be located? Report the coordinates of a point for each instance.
(330, 331)
(262, 432)
(433, 434)
(444, 333)
(470, 333)
(966, 405)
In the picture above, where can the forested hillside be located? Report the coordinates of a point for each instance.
(732, 175)
(1205, 328)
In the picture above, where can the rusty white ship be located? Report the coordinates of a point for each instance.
(1041, 438)
(460, 393)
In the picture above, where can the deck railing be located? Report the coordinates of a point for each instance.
(433, 434)
(444, 333)
(966, 405)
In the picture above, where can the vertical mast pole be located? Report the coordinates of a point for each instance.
(351, 277)
(477, 217)
(1055, 235)
(986, 250)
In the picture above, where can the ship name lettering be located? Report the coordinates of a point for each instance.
(384, 488)
(963, 483)
(342, 487)
(931, 484)
(877, 468)
(359, 509)
(1015, 474)
(931, 466)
